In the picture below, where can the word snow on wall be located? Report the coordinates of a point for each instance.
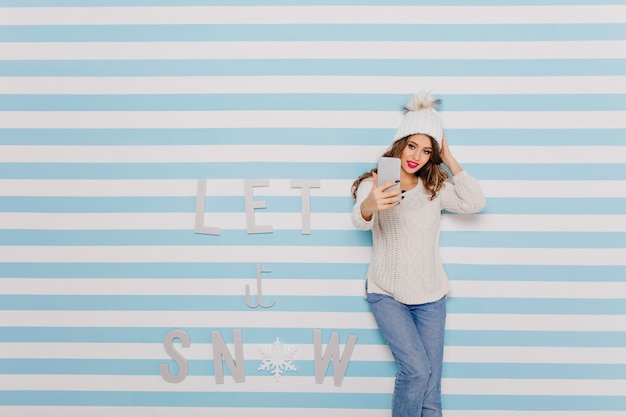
(175, 204)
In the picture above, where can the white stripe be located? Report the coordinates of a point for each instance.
(303, 320)
(312, 15)
(554, 189)
(293, 221)
(538, 289)
(312, 50)
(306, 254)
(273, 288)
(297, 384)
(170, 221)
(534, 256)
(536, 322)
(129, 383)
(313, 84)
(178, 319)
(534, 223)
(530, 354)
(202, 153)
(366, 353)
(539, 387)
(79, 254)
(307, 119)
(196, 351)
(374, 385)
(301, 153)
(280, 187)
(128, 188)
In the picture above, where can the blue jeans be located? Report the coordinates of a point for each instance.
(414, 334)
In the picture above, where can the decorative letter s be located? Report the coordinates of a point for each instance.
(168, 344)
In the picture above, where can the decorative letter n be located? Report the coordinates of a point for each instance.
(220, 351)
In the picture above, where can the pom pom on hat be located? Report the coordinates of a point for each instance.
(421, 117)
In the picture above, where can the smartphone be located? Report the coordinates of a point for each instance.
(388, 170)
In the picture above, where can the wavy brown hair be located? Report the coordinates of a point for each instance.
(432, 174)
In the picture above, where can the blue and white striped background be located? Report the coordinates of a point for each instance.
(111, 111)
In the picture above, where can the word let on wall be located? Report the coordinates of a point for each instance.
(252, 204)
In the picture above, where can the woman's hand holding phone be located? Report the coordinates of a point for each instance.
(382, 197)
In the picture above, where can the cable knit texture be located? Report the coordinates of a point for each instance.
(405, 260)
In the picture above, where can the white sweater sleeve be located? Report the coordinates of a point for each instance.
(464, 195)
(361, 194)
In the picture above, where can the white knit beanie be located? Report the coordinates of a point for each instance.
(421, 117)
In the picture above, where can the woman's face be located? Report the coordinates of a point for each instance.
(416, 153)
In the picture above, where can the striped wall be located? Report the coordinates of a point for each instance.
(141, 139)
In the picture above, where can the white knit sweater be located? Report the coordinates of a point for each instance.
(405, 260)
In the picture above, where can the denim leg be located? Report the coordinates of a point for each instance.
(430, 319)
(414, 334)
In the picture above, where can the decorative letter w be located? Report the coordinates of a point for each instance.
(322, 360)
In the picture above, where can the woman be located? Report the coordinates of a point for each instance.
(406, 283)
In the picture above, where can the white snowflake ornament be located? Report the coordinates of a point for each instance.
(277, 358)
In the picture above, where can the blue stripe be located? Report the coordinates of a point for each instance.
(17, 237)
(183, 237)
(279, 204)
(300, 303)
(303, 400)
(561, 273)
(509, 239)
(317, 102)
(182, 270)
(591, 339)
(534, 402)
(205, 367)
(211, 170)
(287, 170)
(222, 303)
(532, 338)
(203, 335)
(317, 136)
(200, 367)
(349, 67)
(534, 371)
(313, 32)
(224, 270)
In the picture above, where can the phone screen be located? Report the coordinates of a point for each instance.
(388, 170)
